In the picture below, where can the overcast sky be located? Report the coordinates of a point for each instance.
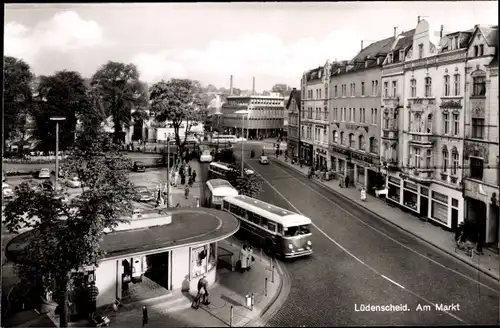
(275, 42)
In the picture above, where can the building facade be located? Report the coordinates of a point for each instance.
(314, 120)
(293, 108)
(430, 185)
(481, 133)
(265, 116)
(392, 111)
(355, 120)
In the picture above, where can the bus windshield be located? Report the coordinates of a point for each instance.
(297, 231)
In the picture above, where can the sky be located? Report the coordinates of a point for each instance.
(275, 42)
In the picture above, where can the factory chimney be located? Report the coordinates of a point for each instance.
(441, 31)
(361, 44)
(253, 86)
(231, 85)
(395, 32)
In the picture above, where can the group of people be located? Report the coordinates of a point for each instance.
(184, 171)
(246, 258)
(81, 301)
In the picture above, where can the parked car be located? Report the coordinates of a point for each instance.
(49, 186)
(74, 182)
(144, 194)
(139, 167)
(206, 157)
(248, 171)
(7, 191)
(44, 174)
(4, 176)
(263, 160)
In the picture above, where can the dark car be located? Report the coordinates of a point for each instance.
(144, 194)
(139, 167)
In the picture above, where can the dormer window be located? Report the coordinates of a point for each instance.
(421, 51)
(389, 58)
(476, 51)
(401, 55)
(481, 49)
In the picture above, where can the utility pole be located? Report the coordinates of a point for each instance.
(168, 172)
(57, 119)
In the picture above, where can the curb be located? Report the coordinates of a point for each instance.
(394, 224)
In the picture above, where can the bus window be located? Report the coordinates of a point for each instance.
(250, 216)
(297, 231)
(256, 219)
(233, 209)
(280, 229)
(271, 226)
(263, 222)
(226, 205)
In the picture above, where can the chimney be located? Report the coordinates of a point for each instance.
(361, 44)
(395, 32)
(441, 31)
(418, 19)
(231, 85)
(253, 86)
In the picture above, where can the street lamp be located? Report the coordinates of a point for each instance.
(243, 113)
(57, 120)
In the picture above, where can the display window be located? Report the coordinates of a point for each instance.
(410, 200)
(394, 192)
(203, 259)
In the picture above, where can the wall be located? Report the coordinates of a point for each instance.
(106, 279)
(180, 261)
(310, 103)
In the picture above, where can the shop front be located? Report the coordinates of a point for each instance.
(306, 153)
(361, 168)
(321, 159)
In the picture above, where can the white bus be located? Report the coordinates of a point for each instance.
(277, 230)
(220, 169)
(216, 190)
(223, 138)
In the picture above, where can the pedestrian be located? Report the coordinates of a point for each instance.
(93, 292)
(190, 181)
(183, 178)
(363, 194)
(203, 284)
(144, 316)
(190, 170)
(186, 191)
(194, 176)
(347, 181)
(244, 259)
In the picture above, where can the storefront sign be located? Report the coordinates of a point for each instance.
(354, 155)
(394, 180)
(320, 151)
(411, 186)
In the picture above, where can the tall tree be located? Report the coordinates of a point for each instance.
(62, 94)
(47, 261)
(17, 95)
(283, 89)
(179, 101)
(120, 91)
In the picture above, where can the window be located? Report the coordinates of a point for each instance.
(344, 114)
(456, 84)
(320, 94)
(335, 114)
(361, 143)
(394, 88)
(362, 89)
(454, 156)
(417, 158)
(362, 115)
(479, 86)
(353, 115)
(374, 116)
(303, 114)
(302, 133)
(478, 128)
(353, 92)
(446, 85)
(376, 88)
(386, 121)
(373, 145)
(446, 123)
(373, 88)
(386, 89)
(343, 90)
(476, 51)
(428, 87)
(413, 88)
(342, 140)
(335, 91)
(481, 49)
(335, 137)
(325, 114)
(455, 118)
(420, 51)
(351, 140)
(446, 159)
(476, 168)
(428, 159)
(389, 58)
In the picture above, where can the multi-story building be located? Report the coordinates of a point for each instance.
(265, 116)
(355, 119)
(432, 141)
(314, 121)
(293, 108)
(481, 133)
(391, 111)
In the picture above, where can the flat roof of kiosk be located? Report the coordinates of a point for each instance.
(190, 226)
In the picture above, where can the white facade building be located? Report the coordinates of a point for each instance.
(433, 135)
(315, 121)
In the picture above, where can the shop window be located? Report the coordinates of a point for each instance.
(394, 192)
(199, 261)
(424, 191)
(439, 211)
(410, 199)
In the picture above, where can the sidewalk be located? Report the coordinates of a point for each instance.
(227, 293)
(444, 240)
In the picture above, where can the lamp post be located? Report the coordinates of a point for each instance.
(168, 172)
(57, 120)
(243, 113)
(218, 114)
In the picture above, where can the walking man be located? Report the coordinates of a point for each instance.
(144, 316)
(203, 284)
(186, 191)
(93, 293)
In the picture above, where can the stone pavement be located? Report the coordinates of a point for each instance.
(444, 240)
(227, 296)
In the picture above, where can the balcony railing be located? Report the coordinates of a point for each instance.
(420, 104)
(422, 174)
(389, 134)
(391, 102)
(421, 139)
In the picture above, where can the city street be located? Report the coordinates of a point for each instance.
(360, 259)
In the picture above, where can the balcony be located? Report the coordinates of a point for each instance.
(390, 134)
(391, 102)
(420, 104)
(392, 163)
(421, 175)
(449, 178)
(423, 140)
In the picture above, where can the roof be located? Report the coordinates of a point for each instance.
(490, 34)
(295, 94)
(189, 226)
(405, 40)
(222, 188)
(314, 74)
(377, 49)
(494, 61)
(280, 215)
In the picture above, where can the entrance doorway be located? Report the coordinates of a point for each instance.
(494, 226)
(157, 268)
(371, 183)
(454, 219)
(424, 207)
(350, 172)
